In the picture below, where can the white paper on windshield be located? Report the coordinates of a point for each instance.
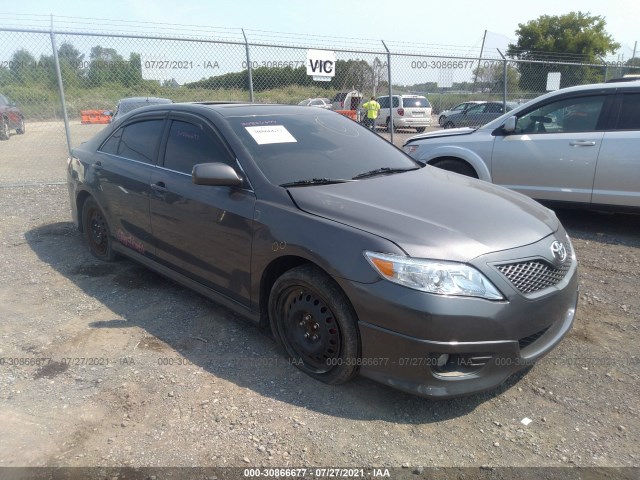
(270, 134)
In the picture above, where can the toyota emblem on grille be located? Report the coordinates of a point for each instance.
(559, 251)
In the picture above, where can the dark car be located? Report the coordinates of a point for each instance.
(358, 258)
(127, 105)
(11, 118)
(477, 115)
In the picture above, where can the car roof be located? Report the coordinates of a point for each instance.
(145, 99)
(238, 109)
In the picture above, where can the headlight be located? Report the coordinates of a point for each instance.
(409, 149)
(443, 278)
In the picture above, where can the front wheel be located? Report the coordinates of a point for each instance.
(314, 322)
(96, 231)
(448, 125)
(457, 166)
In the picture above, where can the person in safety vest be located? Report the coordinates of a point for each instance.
(372, 107)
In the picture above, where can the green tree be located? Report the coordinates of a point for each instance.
(490, 78)
(106, 66)
(23, 67)
(552, 38)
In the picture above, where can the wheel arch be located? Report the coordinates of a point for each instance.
(463, 155)
(274, 270)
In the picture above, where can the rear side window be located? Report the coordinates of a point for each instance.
(629, 118)
(384, 102)
(420, 102)
(139, 140)
(494, 108)
(189, 144)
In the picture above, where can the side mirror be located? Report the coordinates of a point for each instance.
(510, 125)
(217, 174)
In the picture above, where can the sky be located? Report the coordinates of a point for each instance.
(454, 24)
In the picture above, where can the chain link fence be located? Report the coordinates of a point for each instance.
(56, 86)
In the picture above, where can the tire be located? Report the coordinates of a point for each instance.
(388, 124)
(441, 120)
(4, 129)
(21, 129)
(314, 322)
(420, 129)
(456, 166)
(448, 125)
(97, 232)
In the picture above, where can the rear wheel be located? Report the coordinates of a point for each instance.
(20, 130)
(314, 322)
(4, 129)
(96, 231)
(456, 166)
(388, 124)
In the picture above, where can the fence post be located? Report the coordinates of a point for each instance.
(504, 80)
(390, 91)
(246, 46)
(60, 86)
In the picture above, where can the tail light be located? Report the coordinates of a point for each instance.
(401, 111)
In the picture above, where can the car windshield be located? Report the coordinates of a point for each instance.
(293, 147)
(416, 102)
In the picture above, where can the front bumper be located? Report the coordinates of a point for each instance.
(406, 335)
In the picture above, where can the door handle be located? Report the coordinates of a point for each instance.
(582, 143)
(159, 187)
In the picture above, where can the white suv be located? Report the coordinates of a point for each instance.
(409, 111)
(578, 145)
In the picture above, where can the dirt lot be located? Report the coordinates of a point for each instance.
(112, 365)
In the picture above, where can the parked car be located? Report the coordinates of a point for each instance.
(409, 111)
(276, 212)
(317, 102)
(459, 108)
(576, 145)
(127, 105)
(477, 115)
(11, 118)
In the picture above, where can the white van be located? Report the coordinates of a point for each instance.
(409, 111)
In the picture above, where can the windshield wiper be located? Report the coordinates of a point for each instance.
(314, 181)
(380, 171)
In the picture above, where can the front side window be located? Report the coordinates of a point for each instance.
(476, 109)
(189, 144)
(579, 114)
(139, 140)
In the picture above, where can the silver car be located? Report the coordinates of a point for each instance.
(578, 145)
(317, 102)
(460, 108)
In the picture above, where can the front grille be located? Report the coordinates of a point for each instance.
(526, 341)
(534, 275)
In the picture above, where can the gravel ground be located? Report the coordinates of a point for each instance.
(142, 372)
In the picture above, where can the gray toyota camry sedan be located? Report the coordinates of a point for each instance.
(359, 259)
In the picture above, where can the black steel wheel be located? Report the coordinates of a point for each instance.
(4, 129)
(314, 322)
(96, 231)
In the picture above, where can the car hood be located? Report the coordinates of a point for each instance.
(448, 132)
(432, 213)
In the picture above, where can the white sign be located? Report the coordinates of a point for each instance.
(553, 81)
(266, 134)
(321, 63)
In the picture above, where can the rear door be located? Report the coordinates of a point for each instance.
(553, 152)
(617, 179)
(122, 168)
(202, 231)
